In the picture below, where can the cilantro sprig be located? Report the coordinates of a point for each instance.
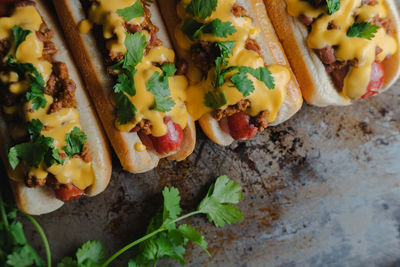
(201, 9)
(333, 6)
(125, 87)
(36, 82)
(215, 99)
(164, 238)
(131, 12)
(218, 28)
(158, 85)
(14, 247)
(39, 149)
(19, 35)
(363, 30)
(75, 142)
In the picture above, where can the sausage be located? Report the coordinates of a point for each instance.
(326, 54)
(376, 81)
(306, 20)
(169, 142)
(240, 127)
(69, 192)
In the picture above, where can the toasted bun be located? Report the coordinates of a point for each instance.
(315, 83)
(38, 201)
(100, 86)
(272, 52)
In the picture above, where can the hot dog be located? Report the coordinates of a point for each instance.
(121, 49)
(240, 79)
(340, 51)
(52, 142)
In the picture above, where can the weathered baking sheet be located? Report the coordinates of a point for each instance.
(322, 189)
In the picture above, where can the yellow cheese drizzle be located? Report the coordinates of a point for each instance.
(104, 13)
(56, 125)
(262, 98)
(348, 48)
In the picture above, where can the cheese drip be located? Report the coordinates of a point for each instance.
(262, 98)
(348, 48)
(56, 125)
(104, 13)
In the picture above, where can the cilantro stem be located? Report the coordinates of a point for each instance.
(3, 212)
(144, 238)
(43, 236)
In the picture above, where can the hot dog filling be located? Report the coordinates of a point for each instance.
(352, 39)
(228, 75)
(149, 88)
(49, 147)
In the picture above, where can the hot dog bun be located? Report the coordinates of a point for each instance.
(315, 83)
(271, 50)
(42, 200)
(100, 87)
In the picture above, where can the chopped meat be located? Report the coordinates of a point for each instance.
(306, 20)
(143, 126)
(181, 67)
(338, 77)
(252, 45)
(203, 55)
(326, 54)
(132, 28)
(337, 65)
(260, 121)
(4, 47)
(153, 42)
(241, 106)
(316, 3)
(65, 98)
(386, 23)
(332, 26)
(86, 156)
(61, 71)
(239, 11)
(50, 88)
(114, 57)
(9, 98)
(370, 2)
(34, 181)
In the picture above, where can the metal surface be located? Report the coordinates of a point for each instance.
(322, 189)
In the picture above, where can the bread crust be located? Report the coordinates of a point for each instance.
(41, 200)
(99, 85)
(272, 52)
(315, 83)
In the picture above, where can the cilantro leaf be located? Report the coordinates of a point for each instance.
(126, 83)
(24, 256)
(202, 9)
(242, 83)
(219, 28)
(20, 68)
(192, 28)
(193, 235)
(333, 6)
(17, 232)
(36, 94)
(135, 45)
(363, 30)
(171, 203)
(158, 85)
(215, 100)
(216, 203)
(34, 128)
(125, 109)
(262, 74)
(91, 251)
(169, 69)
(75, 142)
(134, 11)
(31, 153)
(225, 48)
(68, 262)
(19, 35)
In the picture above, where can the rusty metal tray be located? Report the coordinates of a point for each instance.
(322, 189)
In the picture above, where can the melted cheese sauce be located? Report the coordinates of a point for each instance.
(56, 125)
(348, 48)
(262, 98)
(105, 14)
